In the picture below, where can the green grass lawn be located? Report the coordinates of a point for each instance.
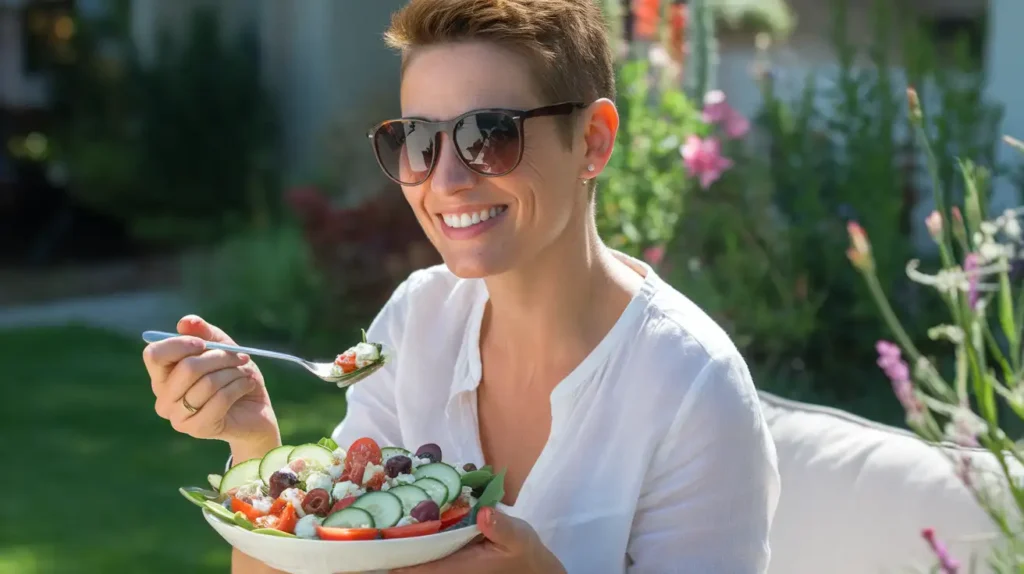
(91, 472)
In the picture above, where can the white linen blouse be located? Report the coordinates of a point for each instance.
(659, 458)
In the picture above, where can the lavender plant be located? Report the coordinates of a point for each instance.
(979, 283)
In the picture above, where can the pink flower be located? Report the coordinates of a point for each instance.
(703, 159)
(896, 369)
(934, 224)
(947, 564)
(716, 108)
(718, 111)
(654, 255)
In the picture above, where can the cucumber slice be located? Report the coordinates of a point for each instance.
(410, 496)
(385, 508)
(392, 451)
(312, 452)
(350, 518)
(214, 480)
(274, 461)
(218, 511)
(241, 474)
(446, 474)
(435, 489)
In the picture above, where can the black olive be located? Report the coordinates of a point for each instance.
(396, 465)
(429, 451)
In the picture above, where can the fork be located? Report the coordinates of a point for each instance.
(323, 371)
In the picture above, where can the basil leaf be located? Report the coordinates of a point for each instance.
(491, 496)
(328, 443)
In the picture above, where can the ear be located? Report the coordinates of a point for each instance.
(600, 127)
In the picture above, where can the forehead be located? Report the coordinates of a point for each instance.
(440, 82)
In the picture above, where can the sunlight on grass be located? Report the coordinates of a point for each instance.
(91, 407)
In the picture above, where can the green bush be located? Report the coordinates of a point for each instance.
(182, 149)
(827, 167)
(263, 285)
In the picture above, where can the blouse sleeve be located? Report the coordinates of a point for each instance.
(710, 494)
(371, 410)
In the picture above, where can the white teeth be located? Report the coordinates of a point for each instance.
(461, 220)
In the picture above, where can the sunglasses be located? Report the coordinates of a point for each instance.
(489, 142)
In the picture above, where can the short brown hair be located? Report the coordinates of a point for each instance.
(565, 41)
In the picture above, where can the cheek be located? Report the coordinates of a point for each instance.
(414, 196)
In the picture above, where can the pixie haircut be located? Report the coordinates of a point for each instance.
(565, 42)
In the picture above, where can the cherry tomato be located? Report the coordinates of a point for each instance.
(453, 515)
(412, 530)
(342, 504)
(330, 533)
(362, 452)
(250, 512)
(347, 361)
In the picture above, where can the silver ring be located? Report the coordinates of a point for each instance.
(188, 407)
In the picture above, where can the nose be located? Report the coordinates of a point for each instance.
(450, 174)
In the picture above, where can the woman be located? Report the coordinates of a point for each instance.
(625, 417)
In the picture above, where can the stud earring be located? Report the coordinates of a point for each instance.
(591, 167)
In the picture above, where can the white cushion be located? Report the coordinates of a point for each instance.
(856, 495)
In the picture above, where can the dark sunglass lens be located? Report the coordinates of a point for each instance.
(489, 142)
(406, 150)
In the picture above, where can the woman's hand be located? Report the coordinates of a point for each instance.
(510, 546)
(226, 390)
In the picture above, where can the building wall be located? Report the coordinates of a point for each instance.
(326, 64)
(17, 90)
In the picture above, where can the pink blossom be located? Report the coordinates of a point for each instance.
(947, 564)
(896, 369)
(654, 255)
(718, 111)
(703, 158)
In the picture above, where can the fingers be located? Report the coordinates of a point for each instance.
(195, 326)
(160, 358)
(209, 420)
(198, 379)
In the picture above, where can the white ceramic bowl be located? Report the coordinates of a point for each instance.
(299, 556)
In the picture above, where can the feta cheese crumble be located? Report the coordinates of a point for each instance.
(319, 480)
(295, 496)
(345, 489)
(371, 470)
(306, 526)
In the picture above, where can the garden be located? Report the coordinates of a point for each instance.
(796, 228)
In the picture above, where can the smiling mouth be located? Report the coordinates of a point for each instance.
(464, 220)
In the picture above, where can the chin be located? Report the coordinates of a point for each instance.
(475, 267)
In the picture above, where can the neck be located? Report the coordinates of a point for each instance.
(567, 298)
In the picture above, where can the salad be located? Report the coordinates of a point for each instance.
(361, 356)
(324, 492)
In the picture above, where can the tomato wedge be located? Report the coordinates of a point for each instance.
(453, 516)
(412, 530)
(288, 519)
(278, 506)
(362, 452)
(342, 504)
(330, 533)
(250, 512)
